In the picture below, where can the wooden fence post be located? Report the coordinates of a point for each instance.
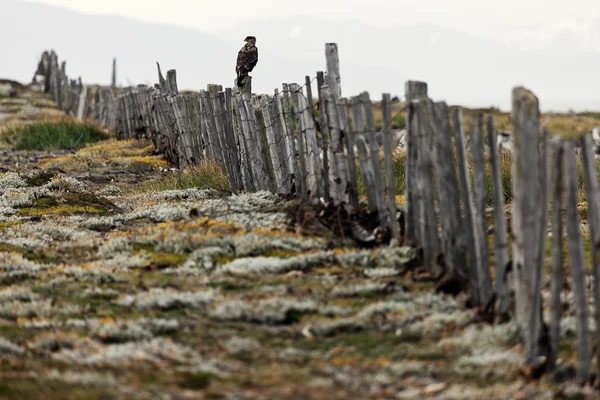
(314, 152)
(500, 239)
(297, 146)
(467, 201)
(537, 327)
(366, 167)
(454, 242)
(213, 129)
(427, 220)
(413, 90)
(283, 140)
(82, 100)
(340, 163)
(246, 158)
(225, 99)
(386, 109)
(375, 160)
(161, 80)
(113, 80)
(272, 145)
(299, 174)
(303, 132)
(556, 281)
(261, 138)
(172, 82)
(579, 287)
(220, 122)
(525, 225)
(591, 186)
(480, 225)
(333, 70)
(324, 138)
(351, 159)
(312, 148)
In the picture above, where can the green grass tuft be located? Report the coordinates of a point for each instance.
(28, 254)
(70, 203)
(204, 175)
(61, 135)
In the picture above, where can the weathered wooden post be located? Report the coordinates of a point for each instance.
(261, 125)
(467, 201)
(255, 145)
(388, 155)
(227, 105)
(525, 218)
(426, 220)
(591, 186)
(333, 70)
(299, 172)
(314, 153)
(375, 160)
(500, 239)
(219, 119)
(324, 137)
(556, 281)
(161, 80)
(273, 149)
(366, 167)
(454, 241)
(283, 140)
(114, 74)
(333, 82)
(413, 90)
(82, 100)
(480, 225)
(246, 158)
(210, 123)
(337, 148)
(306, 166)
(537, 327)
(172, 82)
(579, 288)
(351, 160)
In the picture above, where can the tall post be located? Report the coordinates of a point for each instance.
(413, 90)
(501, 252)
(114, 74)
(525, 224)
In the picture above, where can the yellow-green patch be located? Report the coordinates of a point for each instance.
(71, 203)
(30, 255)
(160, 259)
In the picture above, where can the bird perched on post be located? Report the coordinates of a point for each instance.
(246, 60)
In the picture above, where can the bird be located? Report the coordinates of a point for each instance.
(246, 60)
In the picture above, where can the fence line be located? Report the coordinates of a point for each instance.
(277, 143)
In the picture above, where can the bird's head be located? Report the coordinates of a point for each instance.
(250, 39)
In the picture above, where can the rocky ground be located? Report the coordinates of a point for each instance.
(110, 292)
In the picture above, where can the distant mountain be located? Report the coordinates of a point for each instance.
(459, 68)
(567, 35)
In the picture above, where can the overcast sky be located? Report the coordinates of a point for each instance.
(479, 17)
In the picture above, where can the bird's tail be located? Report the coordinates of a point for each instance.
(241, 80)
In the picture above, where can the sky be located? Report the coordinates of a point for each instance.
(550, 46)
(478, 17)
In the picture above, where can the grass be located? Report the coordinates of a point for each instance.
(136, 155)
(66, 134)
(30, 255)
(204, 175)
(71, 203)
